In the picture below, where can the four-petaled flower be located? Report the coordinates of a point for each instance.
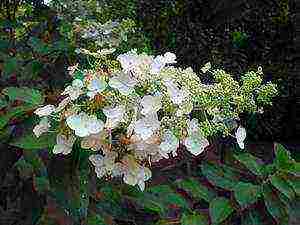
(147, 126)
(169, 144)
(96, 86)
(84, 125)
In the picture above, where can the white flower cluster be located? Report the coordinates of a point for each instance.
(131, 117)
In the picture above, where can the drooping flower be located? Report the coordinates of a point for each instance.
(240, 135)
(135, 174)
(105, 165)
(42, 127)
(45, 110)
(147, 126)
(123, 83)
(195, 142)
(143, 149)
(84, 125)
(74, 90)
(169, 144)
(95, 86)
(63, 144)
(114, 116)
(151, 104)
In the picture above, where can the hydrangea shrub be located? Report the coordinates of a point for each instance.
(136, 109)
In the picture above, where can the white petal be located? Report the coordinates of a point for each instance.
(42, 127)
(150, 104)
(169, 58)
(83, 132)
(45, 110)
(74, 122)
(130, 179)
(206, 67)
(77, 83)
(58, 149)
(94, 125)
(240, 135)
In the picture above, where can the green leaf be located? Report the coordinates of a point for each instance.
(252, 217)
(283, 186)
(41, 184)
(10, 66)
(219, 209)
(25, 169)
(159, 199)
(111, 202)
(294, 182)
(295, 169)
(250, 162)
(220, 176)
(246, 193)
(12, 113)
(24, 94)
(3, 102)
(194, 219)
(31, 142)
(283, 159)
(195, 189)
(38, 45)
(275, 207)
(95, 220)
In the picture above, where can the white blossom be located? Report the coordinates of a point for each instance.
(63, 144)
(178, 96)
(42, 127)
(135, 174)
(150, 104)
(104, 165)
(240, 135)
(129, 61)
(169, 144)
(146, 126)
(123, 83)
(84, 125)
(114, 116)
(195, 142)
(74, 90)
(96, 86)
(160, 62)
